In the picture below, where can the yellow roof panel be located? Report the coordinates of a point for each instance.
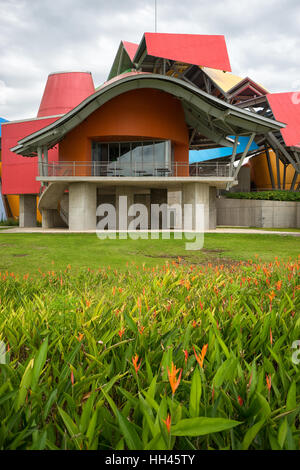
(225, 80)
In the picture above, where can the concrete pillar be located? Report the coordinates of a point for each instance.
(48, 218)
(82, 206)
(175, 199)
(129, 193)
(197, 193)
(27, 210)
(212, 207)
(159, 196)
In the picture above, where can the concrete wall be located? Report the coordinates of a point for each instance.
(254, 213)
(27, 210)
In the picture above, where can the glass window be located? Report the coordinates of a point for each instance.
(146, 158)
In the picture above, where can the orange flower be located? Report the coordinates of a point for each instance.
(168, 423)
(271, 296)
(269, 381)
(200, 358)
(72, 376)
(271, 337)
(240, 400)
(135, 363)
(174, 381)
(121, 332)
(186, 355)
(80, 336)
(278, 285)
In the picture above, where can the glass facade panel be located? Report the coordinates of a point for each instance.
(147, 158)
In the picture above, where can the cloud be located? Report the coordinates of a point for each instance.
(38, 37)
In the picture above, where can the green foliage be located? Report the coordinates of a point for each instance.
(266, 195)
(69, 380)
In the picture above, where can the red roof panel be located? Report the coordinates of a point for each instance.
(130, 48)
(204, 50)
(286, 108)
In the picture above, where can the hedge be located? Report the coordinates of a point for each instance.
(267, 195)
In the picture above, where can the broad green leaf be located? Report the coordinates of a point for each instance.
(282, 432)
(71, 426)
(39, 362)
(24, 385)
(195, 394)
(252, 433)
(130, 435)
(291, 401)
(202, 426)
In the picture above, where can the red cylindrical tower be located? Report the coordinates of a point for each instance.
(64, 91)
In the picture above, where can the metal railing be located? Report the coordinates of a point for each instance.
(136, 169)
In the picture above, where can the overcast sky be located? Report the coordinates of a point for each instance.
(38, 37)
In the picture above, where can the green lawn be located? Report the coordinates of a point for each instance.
(22, 253)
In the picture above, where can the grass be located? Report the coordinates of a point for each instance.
(28, 253)
(181, 357)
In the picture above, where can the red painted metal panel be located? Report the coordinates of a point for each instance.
(130, 48)
(64, 91)
(286, 108)
(19, 173)
(204, 50)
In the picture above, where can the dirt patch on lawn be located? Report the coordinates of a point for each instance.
(208, 259)
(21, 255)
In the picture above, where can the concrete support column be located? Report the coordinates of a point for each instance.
(82, 206)
(197, 193)
(122, 206)
(175, 199)
(27, 210)
(48, 218)
(212, 207)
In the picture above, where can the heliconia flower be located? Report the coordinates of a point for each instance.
(80, 336)
(200, 358)
(174, 381)
(271, 296)
(271, 337)
(269, 381)
(186, 355)
(88, 303)
(168, 423)
(114, 291)
(135, 363)
(240, 400)
(141, 330)
(72, 376)
(278, 285)
(121, 332)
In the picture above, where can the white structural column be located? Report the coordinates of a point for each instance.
(123, 205)
(196, 193)
(27, 210)
(212, 207)
(175, 206)
(82, 206)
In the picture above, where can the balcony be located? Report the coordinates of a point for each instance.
(94, 170)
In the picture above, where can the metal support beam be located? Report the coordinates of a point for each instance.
(275, 143)
(232, 160)
(244, 155)
(278, 169)
(284, 175)
(139, 63)
(270, 167)
(294, 181)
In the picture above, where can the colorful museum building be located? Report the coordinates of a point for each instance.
(132, 136)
